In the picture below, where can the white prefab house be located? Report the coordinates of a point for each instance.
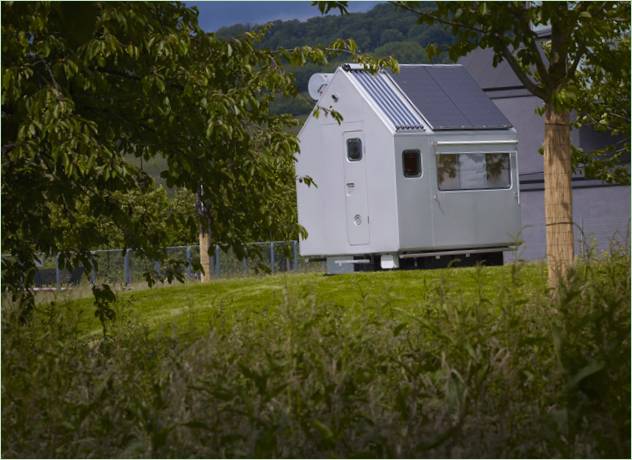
(423, 167)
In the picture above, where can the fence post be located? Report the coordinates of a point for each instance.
(216, 260)
(189, 261)
(581, 238)
(93, 272)
(294, 255)
(127, 275)
(57, 273)
(272, 256)
(157, 267)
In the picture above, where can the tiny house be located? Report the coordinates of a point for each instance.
(423, 168)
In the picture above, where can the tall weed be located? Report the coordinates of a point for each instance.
(488, 373)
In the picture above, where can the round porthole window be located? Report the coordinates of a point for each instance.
(357, 219)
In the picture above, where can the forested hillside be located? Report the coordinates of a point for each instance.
(383, 31)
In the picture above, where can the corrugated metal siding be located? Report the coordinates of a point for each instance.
(387, 100)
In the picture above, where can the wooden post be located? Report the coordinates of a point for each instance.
(558, 196)
(205, 258)
(204, 237)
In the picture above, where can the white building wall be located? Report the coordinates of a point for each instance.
(321, 209)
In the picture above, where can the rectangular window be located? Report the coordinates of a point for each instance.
(354, 149)
(411, 160)
(473, 171)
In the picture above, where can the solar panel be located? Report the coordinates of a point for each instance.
(449, 98)
(387, 100)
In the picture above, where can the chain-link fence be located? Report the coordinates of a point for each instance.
(123, 268)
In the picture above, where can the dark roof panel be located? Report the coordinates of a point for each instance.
(449, 98)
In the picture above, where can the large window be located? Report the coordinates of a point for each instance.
(473, 171)
(354, 149)
(411, 162)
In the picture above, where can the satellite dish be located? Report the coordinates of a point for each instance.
(317, 84)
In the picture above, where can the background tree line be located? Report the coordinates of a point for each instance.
(383, 31)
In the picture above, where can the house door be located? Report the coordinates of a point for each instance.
(356, 202)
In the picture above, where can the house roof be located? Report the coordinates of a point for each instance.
(446, 96)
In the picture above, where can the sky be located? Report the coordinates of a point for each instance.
(214, 15)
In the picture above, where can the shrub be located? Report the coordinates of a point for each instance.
(454, 374)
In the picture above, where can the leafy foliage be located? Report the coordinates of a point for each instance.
(583, 65)
(142, 81)
(604, 105)
(450, 363)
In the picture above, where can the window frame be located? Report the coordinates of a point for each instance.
(512, 154)
(361, 149)
(421, 168)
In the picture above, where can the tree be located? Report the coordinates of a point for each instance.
(390, 35)
(86, 86)
(582, 33)
(603, 105)
(406, 51)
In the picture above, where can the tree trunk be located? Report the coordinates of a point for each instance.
(558, 197)
(205, 258)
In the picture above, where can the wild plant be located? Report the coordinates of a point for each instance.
(486, 364)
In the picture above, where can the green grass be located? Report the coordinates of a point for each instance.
(189, 307)
(468, 362)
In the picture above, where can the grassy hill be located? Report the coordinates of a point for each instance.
(189, 307)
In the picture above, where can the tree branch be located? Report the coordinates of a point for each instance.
(525, 25)
(522, 76)
(570, 72)
(60, 93)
